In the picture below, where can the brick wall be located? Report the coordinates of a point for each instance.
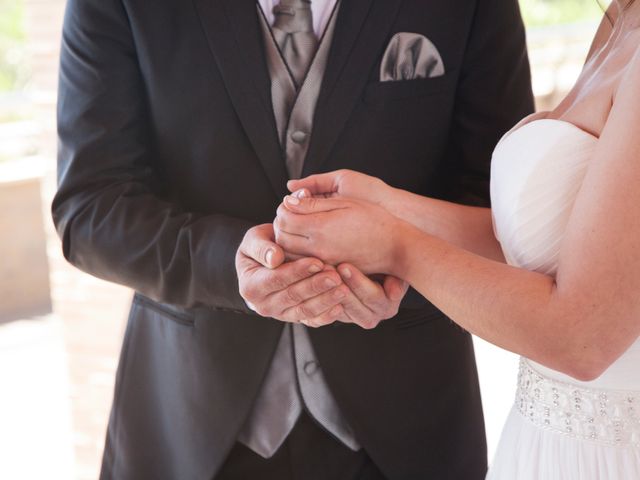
(92, 312)
(43, 25)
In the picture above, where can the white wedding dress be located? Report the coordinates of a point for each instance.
(559, 428)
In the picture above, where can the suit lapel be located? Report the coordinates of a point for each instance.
(362, 29)
(233, 33)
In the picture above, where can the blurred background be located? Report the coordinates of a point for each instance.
(60, 330)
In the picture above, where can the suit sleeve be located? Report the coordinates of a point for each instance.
(494, 93)
(109, 210)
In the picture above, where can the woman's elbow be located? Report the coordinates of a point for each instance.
(589, 364)
(586, 373)
(586, 349)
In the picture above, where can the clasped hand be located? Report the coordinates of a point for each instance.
(308, 266)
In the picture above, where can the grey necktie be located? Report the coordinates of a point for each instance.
(293, 31)
(295, 379)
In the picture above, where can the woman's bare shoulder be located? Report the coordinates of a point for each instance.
(630, 79)
(604, 30)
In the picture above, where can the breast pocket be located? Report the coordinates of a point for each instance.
(382, 92)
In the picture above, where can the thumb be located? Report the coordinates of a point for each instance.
(259, 245)
(395, 288)
(309, 205)
(274, 256)
(321, 184)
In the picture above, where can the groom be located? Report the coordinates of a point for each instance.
(180, 123)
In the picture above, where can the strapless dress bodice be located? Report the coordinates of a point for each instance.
(537, 171)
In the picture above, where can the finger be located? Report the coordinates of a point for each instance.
(316, 306)
(289, 222)
(310, 205)
(294, 244)
(303, 192)
(261, 282)
(316, 184)
(245, 265)
(292, 257)
(288, 256)
(327, 318)
(259, 244)
(369, 292)
(395, 288)
(302, 291)
(357, 312)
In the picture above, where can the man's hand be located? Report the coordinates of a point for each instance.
(302, 291)
(368, 301)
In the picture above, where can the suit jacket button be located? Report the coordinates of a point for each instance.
(299, 136)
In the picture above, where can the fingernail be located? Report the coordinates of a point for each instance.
(330, 282)
(300, 194)
(315, 268)
(345, 272)
(291, 200)
(269, 256)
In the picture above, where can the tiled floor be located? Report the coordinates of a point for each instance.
(36, 436)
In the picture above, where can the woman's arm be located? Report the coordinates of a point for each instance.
(467, 227)
(470, 228)
(589, 315)
(578, 323)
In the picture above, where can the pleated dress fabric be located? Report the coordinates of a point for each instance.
(559, 428)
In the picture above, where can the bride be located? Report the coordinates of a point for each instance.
(551, 272)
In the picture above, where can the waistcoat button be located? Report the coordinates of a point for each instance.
(299, 136)
(310, 368)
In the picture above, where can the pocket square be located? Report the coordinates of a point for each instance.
(410, 56)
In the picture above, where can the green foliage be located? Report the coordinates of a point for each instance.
(12, 41)
(541, 13)
(13, 74)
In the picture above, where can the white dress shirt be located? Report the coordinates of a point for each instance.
(321, 12)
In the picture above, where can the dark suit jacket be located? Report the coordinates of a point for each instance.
(169, 153)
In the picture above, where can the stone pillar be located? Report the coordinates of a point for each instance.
(24, 269)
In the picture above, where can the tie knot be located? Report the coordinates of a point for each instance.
(293, 16)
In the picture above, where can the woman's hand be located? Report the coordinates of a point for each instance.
(339, 230)
(345, 183)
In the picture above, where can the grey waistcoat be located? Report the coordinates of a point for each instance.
(294, 380)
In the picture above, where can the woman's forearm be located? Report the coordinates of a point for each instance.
(515, 309)
(470, 228)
